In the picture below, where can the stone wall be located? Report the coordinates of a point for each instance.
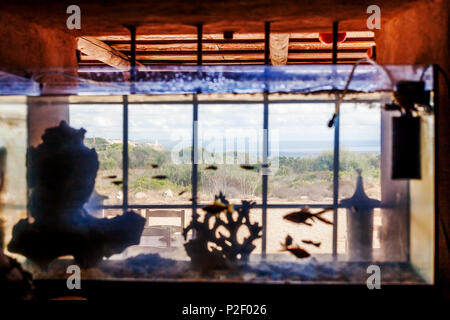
(28, 49)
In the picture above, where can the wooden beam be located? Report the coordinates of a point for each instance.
(279, 48)
(219, 36)
(99, 50)
(145, 57)
(175, 47)
(142, 53)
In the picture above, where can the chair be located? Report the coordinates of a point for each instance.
(163, 230)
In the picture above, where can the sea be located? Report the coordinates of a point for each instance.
(305, 148)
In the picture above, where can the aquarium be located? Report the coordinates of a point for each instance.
(302, 174)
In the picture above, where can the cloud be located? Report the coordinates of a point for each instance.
(293, 122)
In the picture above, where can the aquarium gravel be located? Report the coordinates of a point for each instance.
(152, 267)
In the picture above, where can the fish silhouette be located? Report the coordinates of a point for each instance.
(159, 177)
(305, 214)
(298, 252)
(211, 167)
(316, 244)
(295, 250)
(110, 177)
(117, 182)
(215, 208)
(288, 241)
(247, 167)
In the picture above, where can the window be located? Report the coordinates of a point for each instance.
(159, 144)
(104, 132)
(305, 153)
(228, 137)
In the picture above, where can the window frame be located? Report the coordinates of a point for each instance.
(264, 205)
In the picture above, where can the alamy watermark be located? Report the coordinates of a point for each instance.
(74, 280)
(374, 20)
(374, 280)
(74, 20)
(244, 146)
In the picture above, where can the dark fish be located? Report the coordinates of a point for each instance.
(323, 220)
(215, 208)
(288, 241)
(298, 252)
(110, 177)
(295, 250)
(182, 192)
(316, 244)
(303, 215)
(247, 167)
(159, 177)
(117, 182)
(211, 167)
(154, 165)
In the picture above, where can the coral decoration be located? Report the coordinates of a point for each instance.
(210, 248)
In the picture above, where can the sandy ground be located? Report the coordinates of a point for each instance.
(277, 230)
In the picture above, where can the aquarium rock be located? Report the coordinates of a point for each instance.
(15, 283)
(61, 174)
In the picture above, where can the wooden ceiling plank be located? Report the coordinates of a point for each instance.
(102, 52)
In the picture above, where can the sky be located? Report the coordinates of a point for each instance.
(287, 122)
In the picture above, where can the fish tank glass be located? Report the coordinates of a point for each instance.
(302, 174)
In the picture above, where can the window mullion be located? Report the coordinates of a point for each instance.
(194, 155)
(125, 154)
(336, 182)
(265, 173)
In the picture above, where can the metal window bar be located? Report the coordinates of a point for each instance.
(125, 154)
(257, 206)
(265, 154)
(265, 174)
(232, 102)
(194, 157)
(335, 152)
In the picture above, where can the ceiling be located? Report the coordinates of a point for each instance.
(181, 17)
(243, 48)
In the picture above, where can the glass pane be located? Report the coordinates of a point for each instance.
(159, 154)
(343, 246)
(256, 216)
(319, 233)
(230, 136)
(305, 149)
(13, 186)
(360, 145)
(160, 223)
(104, 127)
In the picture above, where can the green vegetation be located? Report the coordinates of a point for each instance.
(348, 162)
(309, 177)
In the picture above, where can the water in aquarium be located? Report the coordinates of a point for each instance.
(253, 174)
